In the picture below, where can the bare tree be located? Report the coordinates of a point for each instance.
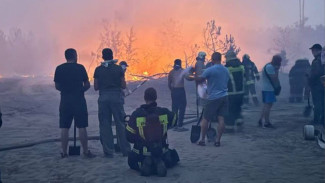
(190, 55)
(130, 52)
(212, 41)
(109, 38)
(211, 34)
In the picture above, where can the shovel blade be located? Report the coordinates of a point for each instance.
(195, 133)
(74, 150)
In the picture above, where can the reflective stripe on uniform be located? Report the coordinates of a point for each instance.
(136, 151)
(145, 151)
(250, 82)
(235, 93)
(131, 130)
(141, 122)
(164, 121)
(236, 69)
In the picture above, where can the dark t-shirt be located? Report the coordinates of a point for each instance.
(109, 78)
(70, 77)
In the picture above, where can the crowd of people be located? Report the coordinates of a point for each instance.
(228, 87)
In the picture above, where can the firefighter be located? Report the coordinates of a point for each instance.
(298, 81)
(147, 130)
(316, 86)
(236, 87)
(251, 74)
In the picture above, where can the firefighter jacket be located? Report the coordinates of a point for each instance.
(135, 129)
(317, 70)
(236, 84)
(297, 74)
(251, 72)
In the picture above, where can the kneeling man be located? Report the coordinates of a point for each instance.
(147, 130)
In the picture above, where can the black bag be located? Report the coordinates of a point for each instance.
(196, 130)
(277, 89)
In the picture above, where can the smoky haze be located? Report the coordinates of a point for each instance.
(35, 33)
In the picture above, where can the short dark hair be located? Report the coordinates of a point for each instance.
(276, 60)
(70, 54)
(216, 56)
(150, 94)
(107, 54)
(178, 62)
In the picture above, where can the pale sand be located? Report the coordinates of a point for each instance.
(30, 108)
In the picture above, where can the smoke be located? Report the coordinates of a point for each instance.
(58, 25)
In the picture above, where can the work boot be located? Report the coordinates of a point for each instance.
(161, 168)
(146, 167)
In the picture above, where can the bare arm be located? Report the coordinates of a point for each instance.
(199, 79)
(96, 87)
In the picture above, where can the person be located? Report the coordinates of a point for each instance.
(251, 74)
(178, 95)
(125, 91)
(147, 130)
(72, 81)
(298, 81)
(217, 77)
(109, 81)
(270, 82)
(314, 80)
(199, 65)
(236, 87)
(198, 70)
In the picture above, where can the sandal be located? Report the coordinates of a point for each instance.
(63, 155)
(217, 144)
(201, 143)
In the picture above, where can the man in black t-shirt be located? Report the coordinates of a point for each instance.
(109, 80)
(71, 80)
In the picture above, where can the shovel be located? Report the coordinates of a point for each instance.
(308, 109)
(74, 150)
(196, 130)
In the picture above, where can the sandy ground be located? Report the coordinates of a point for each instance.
(30, 109)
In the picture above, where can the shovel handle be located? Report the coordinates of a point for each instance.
(74, 135)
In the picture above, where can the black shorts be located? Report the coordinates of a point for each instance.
(215, 108)
(75, 108)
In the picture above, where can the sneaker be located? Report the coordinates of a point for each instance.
(161, 168)
(63, 155)
(269, 125)
(89, 154)
(175, 128)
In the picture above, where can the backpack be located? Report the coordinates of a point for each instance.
(153, 133)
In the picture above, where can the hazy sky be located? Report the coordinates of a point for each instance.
(77, 23)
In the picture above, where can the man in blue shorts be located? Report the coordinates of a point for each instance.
(270, 82)
(217, 77)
